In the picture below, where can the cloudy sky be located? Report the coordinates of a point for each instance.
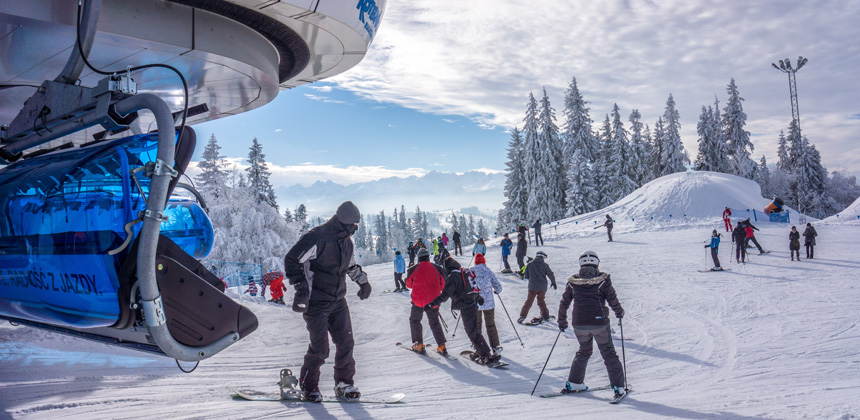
(445, 80)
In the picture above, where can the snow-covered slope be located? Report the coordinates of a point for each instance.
(851, 214)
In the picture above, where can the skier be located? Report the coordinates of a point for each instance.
(522, 247)
(460, 287)
(727, 214)
(435, 247)
(420, 244)
(277, 289)
(427, 280)
(538, 236)
(399, 269)
(748, 227)
(412, 250)
(506, 245)
(444, 239)
(523, 230)
(487, 283)
(480, 247)
(739, 237)
(458, 248)
(317, 267)
(809, 235)
(537, 273)
(715, 250)
(794, 243)
(608, 225)
(589, 291)
(252, 287)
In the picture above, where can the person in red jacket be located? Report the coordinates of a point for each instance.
(427, 280)
(277, 288)
(727, 214)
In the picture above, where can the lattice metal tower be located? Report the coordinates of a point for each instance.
(785, 67)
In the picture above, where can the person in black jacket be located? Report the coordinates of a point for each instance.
(590, 291)
(412, 249)
(522, 248)
(460, 287)
(537, 272)
(608, 224)
(317, 266)
(739, 237)
(538, 236)
(794, 243)
(809, 235)
(458, 248)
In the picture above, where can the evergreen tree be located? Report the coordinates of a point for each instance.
(537, 191)
(648, 162)
(638, 149)
(576, 131)
(784, 162)
(418, 226)
(381, 229)
(709, 156)
(213, 169)
(601, 166)
(675, 158)
(721, 151)
(301, 217)
(551, 164)
(619, 171)
(482, 229)
(658, 161)
(796, 148)
(471, 229)
(581, 194)
(288, 216)
(738, 139)
(258, 175)
(516, 192)
(763, 177)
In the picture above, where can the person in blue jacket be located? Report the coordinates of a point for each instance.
(715, 250)
(506, 245)
(480, 248)
(399, 269)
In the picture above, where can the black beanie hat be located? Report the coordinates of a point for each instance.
(348, 213)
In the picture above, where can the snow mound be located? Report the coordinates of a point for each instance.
(850, 214)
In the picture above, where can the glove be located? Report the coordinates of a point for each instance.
(364, 291)
(480, 300)
(554, 286)
(431, 305)
(562, 325)
(302, 297)
(620, 315)
(706, 246)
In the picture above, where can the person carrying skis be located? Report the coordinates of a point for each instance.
(750, 235)
(458, 248)
(460, 287)
(252, 287)
(277, 289)
(412, 250)
(487, 283)
(809, 235)
(522, 247)
(444, 239)
(739, 236)
(608, 225)
(537, 273)
(506, 245)
(715, 250)
(589, 291)
(427, 280)
(399, 269)
(727, 214)
(317, 267)
(479, 248)
(794, 243)
(538, 236)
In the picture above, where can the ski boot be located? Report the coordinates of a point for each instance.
(475, 357)
(418, 348)
(619, 391)
(537, 320)
(570, 388)
(521, 319)
(442, 350)
(497, 351)
(289, 385)
(345, 391)
(313, 396)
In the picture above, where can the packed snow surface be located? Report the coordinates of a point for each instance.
(851, 214)
(771, 339)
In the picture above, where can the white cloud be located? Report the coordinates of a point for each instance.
(448, 121)
(321, 88)
(480, 59)
(308, 172)
(278, 130)
(323, 99)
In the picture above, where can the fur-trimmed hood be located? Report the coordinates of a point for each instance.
(576, 280)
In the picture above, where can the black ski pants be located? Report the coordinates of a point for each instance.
(521, 262)
(752, 238)
(603, 336)
(411, 259)
(541, 301)
(538, 238)
(458, 249)
(608, 232)
(469, 315)
(715, 255)
(398, 281)
(810, 250)
(490, 319)
(324, 319)
(432, 319)
(740, 251)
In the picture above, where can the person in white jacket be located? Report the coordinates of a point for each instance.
(487, 283)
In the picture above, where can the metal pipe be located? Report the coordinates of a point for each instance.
(88, 23)
(153, 306)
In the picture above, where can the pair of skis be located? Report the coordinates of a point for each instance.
(290, 392)
(466, 354)
(614, 400)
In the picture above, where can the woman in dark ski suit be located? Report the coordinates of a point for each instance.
(794, 243)
(809, 234)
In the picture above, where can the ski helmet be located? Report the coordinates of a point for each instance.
(541, 254)
(589, 258)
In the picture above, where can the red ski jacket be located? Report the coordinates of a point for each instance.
(427, 280)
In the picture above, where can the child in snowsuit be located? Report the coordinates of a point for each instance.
(536, 273)
(590, 291)
(739, 237)
(399, 269)
(277, 288)
(487, 283)
(460, 287)
(794, 243)
(809, 235)
(715, 250)
(427, 280)
(748, 227)
(506, 245)
(252, 287)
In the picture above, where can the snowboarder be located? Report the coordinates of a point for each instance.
(444, 239)
(458, 248)
(739, 236)
(537, 273)
(522, 247)
(589, 291)
(608, 225)
(727, 214)
(506, 245)
(480, 247)
(715, 250)
(399, 269)
(317, 267)
(487, 283)
(412, 250)
(460, 287)
(252, 287)
(427, 280)
(809, 235)
(794, 243)
(748, 227)
(538, 236)
(277, 289)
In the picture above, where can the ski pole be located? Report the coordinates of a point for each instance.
(444, 324)
(623, 356)
(455, 328)
(509, 319)
(547, 361)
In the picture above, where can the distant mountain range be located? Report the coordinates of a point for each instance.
(435, 191)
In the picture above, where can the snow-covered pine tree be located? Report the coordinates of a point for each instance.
(213, 169)
(638, 149)
(796, 148)
(658, 150)
(648, 162)
(619, 171)
(471, 229)
(710, 150)
(581, 194)
(381, 228)
(482, 229)
(258, 175)
(784, 162)
(600, 167)
(301, 217)
(538, 191)
(738, 139)
(516, 193)
(803, 193)
(576, 129)
(762, 176)
(288, 216)
(675, 157)
(551, 163)
(722, 162)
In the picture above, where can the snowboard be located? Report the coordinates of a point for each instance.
(259, 396)
(538, 321)
(715, 271)
(560, 393)
(466, 354)
(426, 352)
